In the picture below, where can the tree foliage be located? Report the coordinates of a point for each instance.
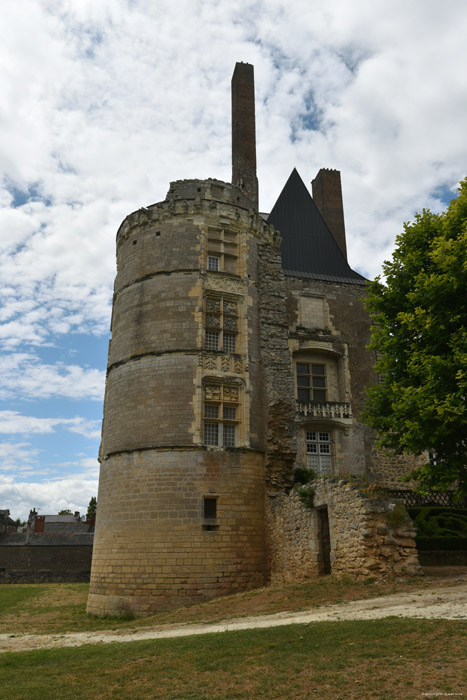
(92, 507)
(419, 315)
(65, 511)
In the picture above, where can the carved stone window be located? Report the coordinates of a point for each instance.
(221, 324)
(222, 250)
(319, 451)
(221, 409)
(213, 263)
(311, 382)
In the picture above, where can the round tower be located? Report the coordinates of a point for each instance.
(181, 491)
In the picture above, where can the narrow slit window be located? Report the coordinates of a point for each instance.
(210, 508)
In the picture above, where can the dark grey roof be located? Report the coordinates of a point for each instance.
(326, 278)
(308, 246)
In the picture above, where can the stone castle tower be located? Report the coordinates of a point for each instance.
(225, 371)
(182, 482)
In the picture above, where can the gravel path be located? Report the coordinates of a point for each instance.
(448, 603)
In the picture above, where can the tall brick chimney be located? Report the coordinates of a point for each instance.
(244, 132)
(327, 195)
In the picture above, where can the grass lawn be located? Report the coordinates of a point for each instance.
(353, 660)
(61, 607)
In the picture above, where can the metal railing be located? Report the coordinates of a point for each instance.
(412, 499)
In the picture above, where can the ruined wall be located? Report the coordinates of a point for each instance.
(277, 387)
(363, 542)
(293, 543)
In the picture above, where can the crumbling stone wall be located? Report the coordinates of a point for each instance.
(365, 540)
(364, 543)
(293, 545)
(388, 469)
(278, 385)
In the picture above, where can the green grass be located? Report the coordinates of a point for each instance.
(61, 607)
(12, 596)
(354, 660)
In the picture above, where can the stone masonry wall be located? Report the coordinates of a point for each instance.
(278, 387)
(388, 469)
(293, 544)
(154, 551)
(364, 543)
(152, 548)
(41, 564)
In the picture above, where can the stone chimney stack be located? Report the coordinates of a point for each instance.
(244, 132)
(327, 195)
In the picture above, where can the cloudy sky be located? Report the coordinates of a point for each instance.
(104, 102)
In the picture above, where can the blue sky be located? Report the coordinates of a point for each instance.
(104, 103)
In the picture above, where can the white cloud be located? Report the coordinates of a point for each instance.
(24, 376)
(103, 103)
(12, 422)
(47, 497)
(19, 458)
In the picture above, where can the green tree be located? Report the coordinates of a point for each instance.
(92, 507)
(419, 315)
(64, 511)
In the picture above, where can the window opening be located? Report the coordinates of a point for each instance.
(318, 452)
(221, 404)
(221, 324)
(213, 263)
(210, 507)
(311, 382)
(222, 250)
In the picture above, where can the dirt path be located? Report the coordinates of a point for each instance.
(439, 602)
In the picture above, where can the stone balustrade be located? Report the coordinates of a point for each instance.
(328, 409)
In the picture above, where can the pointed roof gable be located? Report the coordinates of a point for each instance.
(308, 247)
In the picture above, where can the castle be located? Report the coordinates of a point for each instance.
(238, 353)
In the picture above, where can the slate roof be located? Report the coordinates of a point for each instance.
(308, 246)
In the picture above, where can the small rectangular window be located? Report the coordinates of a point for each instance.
(229, 342)
(223, 247)
(212, 340)
(213, 263)
(318, 452)
(211, 433)
(210, 508)
(211, 411)
(229, 435)
(220, 319)
(230, 412)
(221, 402)
(311, 383)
